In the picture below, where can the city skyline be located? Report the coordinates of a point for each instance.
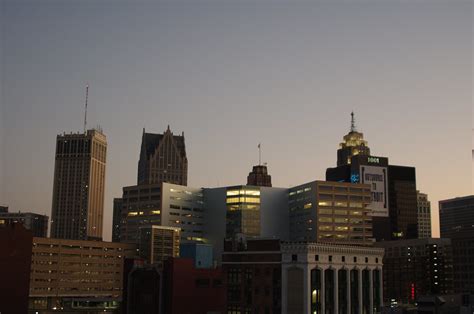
(253, 91)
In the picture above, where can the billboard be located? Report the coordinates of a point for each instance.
(376, 177)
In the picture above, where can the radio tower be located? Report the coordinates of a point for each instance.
(85, 111)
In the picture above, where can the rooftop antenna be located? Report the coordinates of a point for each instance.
(259, 154)
(85, 112)
(353, 128)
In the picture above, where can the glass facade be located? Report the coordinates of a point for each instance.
(243, 211)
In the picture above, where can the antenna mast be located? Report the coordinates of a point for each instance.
(353, 128)
(85, 112)
(259, 154)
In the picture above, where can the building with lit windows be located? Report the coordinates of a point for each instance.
(424, 215)
(417, 267)
(330, 278)
(79, 186)
(335, 212)
(116, 219)
(259, 176)
(77, 275)
(157, 244)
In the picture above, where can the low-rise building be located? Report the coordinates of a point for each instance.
(73, 274)
(38, 224)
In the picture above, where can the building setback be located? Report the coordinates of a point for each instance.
(38, 224)
(162, 159)
(70, 273)
(79, 184)
(417, 267)
(456, 220)
(424, 215)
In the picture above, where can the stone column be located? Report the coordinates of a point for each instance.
(336, 290)
(284, 287)
(348, 287)
(381, 287)
(306, 289)
(359, 275)
(371, 291)
(323, 292)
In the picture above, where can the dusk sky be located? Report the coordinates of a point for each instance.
(231, 74)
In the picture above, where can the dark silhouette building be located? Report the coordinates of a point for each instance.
(144, 295)
(15, 266)
(259, 176)
(163, 159)
(79, 185)
(116, 219)
(417, 267)
(456, 220)
(38, 224)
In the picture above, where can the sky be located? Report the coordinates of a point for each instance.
(230, 75)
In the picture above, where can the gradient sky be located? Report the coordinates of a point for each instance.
(231, 74)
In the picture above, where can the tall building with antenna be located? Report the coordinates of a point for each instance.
(353, 144)
(79, 184)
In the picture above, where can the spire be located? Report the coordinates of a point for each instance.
(85, 111)
(353, 128)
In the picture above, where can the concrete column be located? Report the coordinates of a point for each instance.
(359, 275)
(371, 291)
(336, 290)
(284, 286)
(323, 292)
(348, 287)
(306, 289)
(381, 287)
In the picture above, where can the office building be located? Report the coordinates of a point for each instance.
(187, 289)
(79, 184)
(38, 224)
(393, 188)
(3, 209)
(73, 274)
(144, 290)
(336, 212)
(424, 215)
(162, 159)
(353, 144)
(117, 219)
(331, 278)
(15, 266)
(157, 244)
(253, 272)
(259, 176)
(456, 220)
(417, 267)
(162, 204)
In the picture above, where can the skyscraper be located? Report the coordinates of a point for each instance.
(424, 215)
(163, 159)
(456, 221)
(354, 144)
(79, 183)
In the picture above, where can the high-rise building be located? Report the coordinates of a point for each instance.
(157, 244)
(393, 188)
(424, 215)
(337, 212)
(163, 159)
(79, 184)
(456, 221)
(116, 219)
(259, 176)
(353, 144)
(38, 224)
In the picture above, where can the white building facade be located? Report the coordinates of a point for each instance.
(329, 278)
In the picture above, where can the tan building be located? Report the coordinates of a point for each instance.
(66, 274)
(424, 215)
(158, 243)
(79, 184)
(336, 212)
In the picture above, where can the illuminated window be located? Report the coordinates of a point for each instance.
(232, 200)
(341, 220)
(325, 211)
(356, 213)
(325, 228)
(340, 212)
(307, 206)
(358, 205)
(340, 204)
(339, 228)
(132, 213)
(233, 192)
(325, 219)
(323, 203)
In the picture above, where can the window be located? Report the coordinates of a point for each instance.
(366, 259)
(343, 258)
(316, 257)
(330, 258)
(294, 258)
(355, 259)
